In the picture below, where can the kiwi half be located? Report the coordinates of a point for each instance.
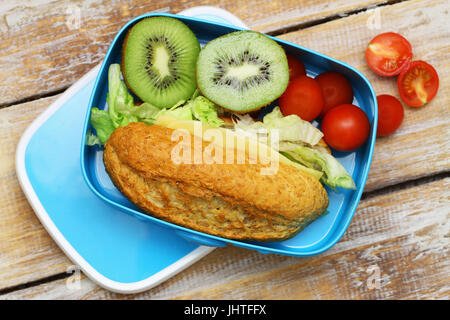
(242, 71)
(159, 57)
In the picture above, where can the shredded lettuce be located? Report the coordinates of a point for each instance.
(180, 111)
(289, 128)
(92, 139)
(119, 100)
(206, 111)
(335, 174)
(198, 108)
(298, 141)
(103, 125)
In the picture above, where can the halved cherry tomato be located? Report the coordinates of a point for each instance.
(296, 66)
(302, 97)
(345, 127)
(418, 84)
(336, 90)
(390, 114)
(388, 54)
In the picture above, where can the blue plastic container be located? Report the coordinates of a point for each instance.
(320, 235)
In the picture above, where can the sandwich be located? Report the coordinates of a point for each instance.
(229, 200)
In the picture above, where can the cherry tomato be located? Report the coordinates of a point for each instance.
(418, 84)
(390, 114)
(345, 127)
(296, 66)
(336, 90)
(388, 54)
(302, 97)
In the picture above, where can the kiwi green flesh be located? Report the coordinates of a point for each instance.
(159, 59)
(242, 71)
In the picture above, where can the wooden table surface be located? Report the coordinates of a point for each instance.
(397, 245)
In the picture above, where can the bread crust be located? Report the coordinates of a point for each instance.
(227, 200)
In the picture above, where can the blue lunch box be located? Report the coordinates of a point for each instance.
(316, 238)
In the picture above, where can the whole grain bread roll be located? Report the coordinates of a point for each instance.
(228, 200)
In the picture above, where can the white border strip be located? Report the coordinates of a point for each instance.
(59, 238)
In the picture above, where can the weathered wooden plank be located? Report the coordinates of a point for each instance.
(396, 247)
(26, 250)
(420, 146)
(47, 45)
(39, 257)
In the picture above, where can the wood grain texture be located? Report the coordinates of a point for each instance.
(404, 232)
(387, 253)
(47, 45)
(27, 252)
(420, 146)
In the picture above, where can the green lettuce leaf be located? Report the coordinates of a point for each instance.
(92, 139)
(290, 128)
(180, 111)
(198, 108)
(130, 113)
(206, 111)
(335, 174)
(103, 125)
(118, 94)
